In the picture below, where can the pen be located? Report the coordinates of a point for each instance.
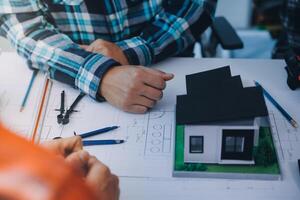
(97, 132)
(34, 73)
(276, 104)
(96, 142)
(101, 142)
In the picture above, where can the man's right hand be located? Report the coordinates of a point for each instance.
(134, 88)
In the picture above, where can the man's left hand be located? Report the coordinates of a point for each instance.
(107, 49)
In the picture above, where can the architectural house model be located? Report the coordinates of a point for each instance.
(219, 124)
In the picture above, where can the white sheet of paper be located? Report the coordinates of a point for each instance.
(14, 80)
(144, 161)
(148, 147)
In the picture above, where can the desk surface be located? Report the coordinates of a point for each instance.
(271, 74)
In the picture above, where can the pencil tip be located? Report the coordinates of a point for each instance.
(120, 141)
(21, 109)
(294, 123)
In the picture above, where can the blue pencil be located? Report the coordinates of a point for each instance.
(34, 73)
(97, 132)
(101, 142)
(276, 104)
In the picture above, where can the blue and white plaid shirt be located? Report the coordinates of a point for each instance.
(47, 33)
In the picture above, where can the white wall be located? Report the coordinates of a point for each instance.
(212, 144)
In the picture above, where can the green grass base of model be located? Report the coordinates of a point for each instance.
(265, 157)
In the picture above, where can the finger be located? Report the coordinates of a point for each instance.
(64, 146)
(144, 101)
(97, 171)
(168, 76)
(138, 109)
(84, 46)
(99, 41)
(153, 71)
(101, 50)
(91, 48)
(70, 145)
(98, 44)
(101, 180)
(164, 75)
(79, 161)
(116, 179)
(155, 81)
(116, 183)
(152, 93)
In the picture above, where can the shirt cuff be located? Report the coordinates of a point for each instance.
(137, 51)
(91, 72)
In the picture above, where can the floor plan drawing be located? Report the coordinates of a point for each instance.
(148, 136)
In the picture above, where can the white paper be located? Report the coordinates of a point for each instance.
(14, 80)
(145, 166)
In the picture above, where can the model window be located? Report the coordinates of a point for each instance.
(234, 144)
(196, 144)
(237, 144)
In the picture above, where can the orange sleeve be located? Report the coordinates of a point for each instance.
(28, 171)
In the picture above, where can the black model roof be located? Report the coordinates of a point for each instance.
(216, 96)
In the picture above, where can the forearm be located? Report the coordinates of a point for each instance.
(49, 50)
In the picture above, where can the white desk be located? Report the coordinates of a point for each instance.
(272, 76)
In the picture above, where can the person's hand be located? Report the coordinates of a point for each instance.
(64, 146)
(133, 88)
(97, 176)
(107, 49)
(101, 180)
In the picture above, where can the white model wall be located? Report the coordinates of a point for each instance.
(212, 144)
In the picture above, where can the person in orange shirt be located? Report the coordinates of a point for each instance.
(58, 170)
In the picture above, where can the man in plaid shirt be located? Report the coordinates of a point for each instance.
(102, 46)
